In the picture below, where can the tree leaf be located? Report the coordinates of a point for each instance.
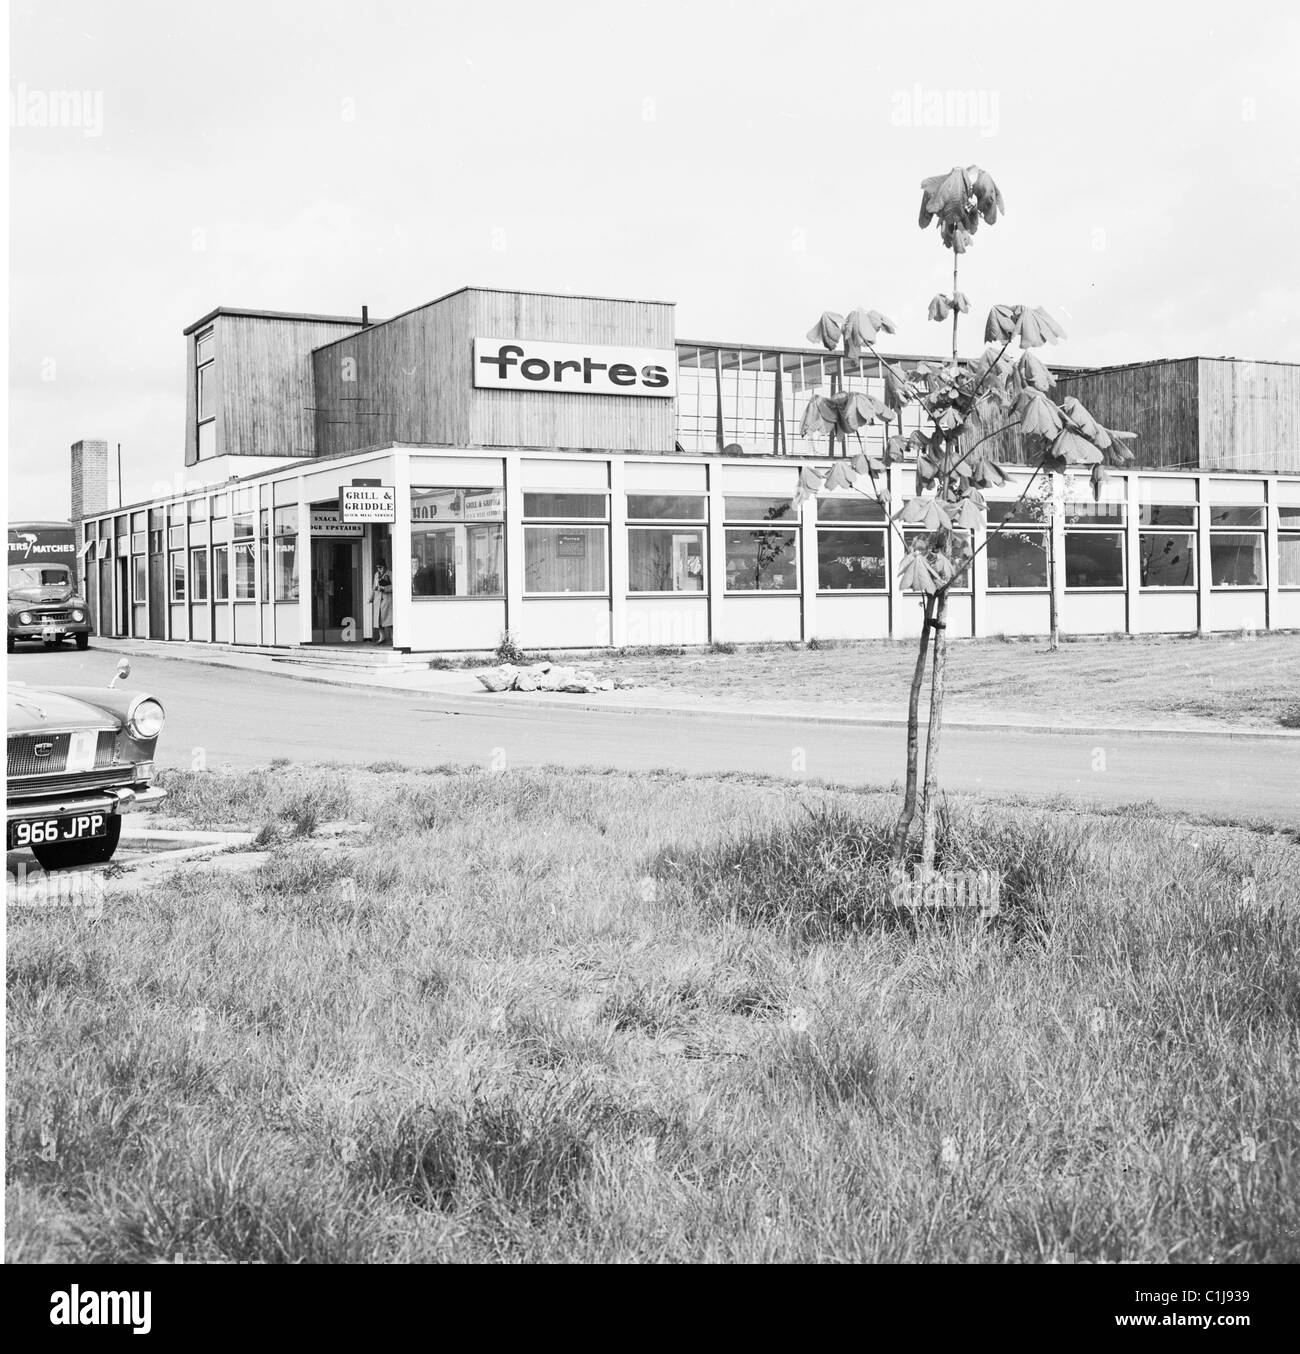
(960, 302)
(810, 479)
(916, 574)
(1073, 449)
(1038, 415)
(827, 330)
(1034, 373)
(939, 308)
(838, 477)
(816, 422)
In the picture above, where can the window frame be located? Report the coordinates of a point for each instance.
(181, 593)
(461, 528)
(672, 527)
(198, 553)
(221, 572)
(205, 371)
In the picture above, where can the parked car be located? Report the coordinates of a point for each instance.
(77, 758)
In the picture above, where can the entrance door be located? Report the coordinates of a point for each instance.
(123, 597)
(336, 592)
(157, 596)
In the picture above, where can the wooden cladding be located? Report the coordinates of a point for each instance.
(411, 379)
(1249, 415)
(265, 388)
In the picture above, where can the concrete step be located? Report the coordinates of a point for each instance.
(359, 657)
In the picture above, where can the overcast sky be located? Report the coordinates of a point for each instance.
(754, 162)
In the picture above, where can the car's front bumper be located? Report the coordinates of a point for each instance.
(54, 630)
(116, 800)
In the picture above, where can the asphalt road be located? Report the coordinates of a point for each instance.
(231, 717)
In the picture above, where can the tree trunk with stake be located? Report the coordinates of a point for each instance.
(904, 825)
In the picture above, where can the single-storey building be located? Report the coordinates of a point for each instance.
(565, 469)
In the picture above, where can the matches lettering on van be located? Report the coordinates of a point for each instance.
(573, 368)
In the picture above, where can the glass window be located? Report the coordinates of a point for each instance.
(198, 575)
(245, 573)
(1094, 559)
(199, 509)
(203, 348)
(458, 542)
(1167, 559)
(263, 522)
(1288, 559)
(458, 560)
(850, 560)
(220, 505)
(673, 507)
(1237, 559)
(565, 505)
(1025, 511)
(207, 439)
(1017, 559)
(207, 396)
(138, 521)
(762, 561)
(750, 508)
(564, 559)
(1167, 514)
(157, 519)
(176, 538)
(665, 559)
(138, 542)
(243, 524)
(1288, 517)
(459, 505)
(1094, 514)
(286, 568)
(286, 520)
(964, 584)
(221, 573)
(1236, 517)
(178, 576)
(139, 578)
(850, 510)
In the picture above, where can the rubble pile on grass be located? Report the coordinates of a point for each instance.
(548, 677)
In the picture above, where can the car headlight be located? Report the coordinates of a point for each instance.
(145, 718)
(78, 615)
(25, 618)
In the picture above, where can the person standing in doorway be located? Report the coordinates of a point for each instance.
(381, 593)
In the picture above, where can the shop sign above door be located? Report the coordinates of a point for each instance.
(573, 368)
(367, 502)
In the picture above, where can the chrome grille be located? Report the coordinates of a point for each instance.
(23, 759)
(39, 616)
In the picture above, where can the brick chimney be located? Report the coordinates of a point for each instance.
(90, 479)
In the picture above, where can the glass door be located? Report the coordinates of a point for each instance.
(336, 592)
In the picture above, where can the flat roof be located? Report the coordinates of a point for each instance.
(247, 314)
(501, 291)
(1172, 361)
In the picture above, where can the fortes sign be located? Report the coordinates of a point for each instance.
(573, 368)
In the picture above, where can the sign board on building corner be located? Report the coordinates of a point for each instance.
(367, 503)
(573, 368)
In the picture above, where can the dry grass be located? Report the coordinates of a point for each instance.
(598, 1018)
(1162, 681)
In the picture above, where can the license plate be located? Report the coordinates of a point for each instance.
(51, 631)
(71, 827)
